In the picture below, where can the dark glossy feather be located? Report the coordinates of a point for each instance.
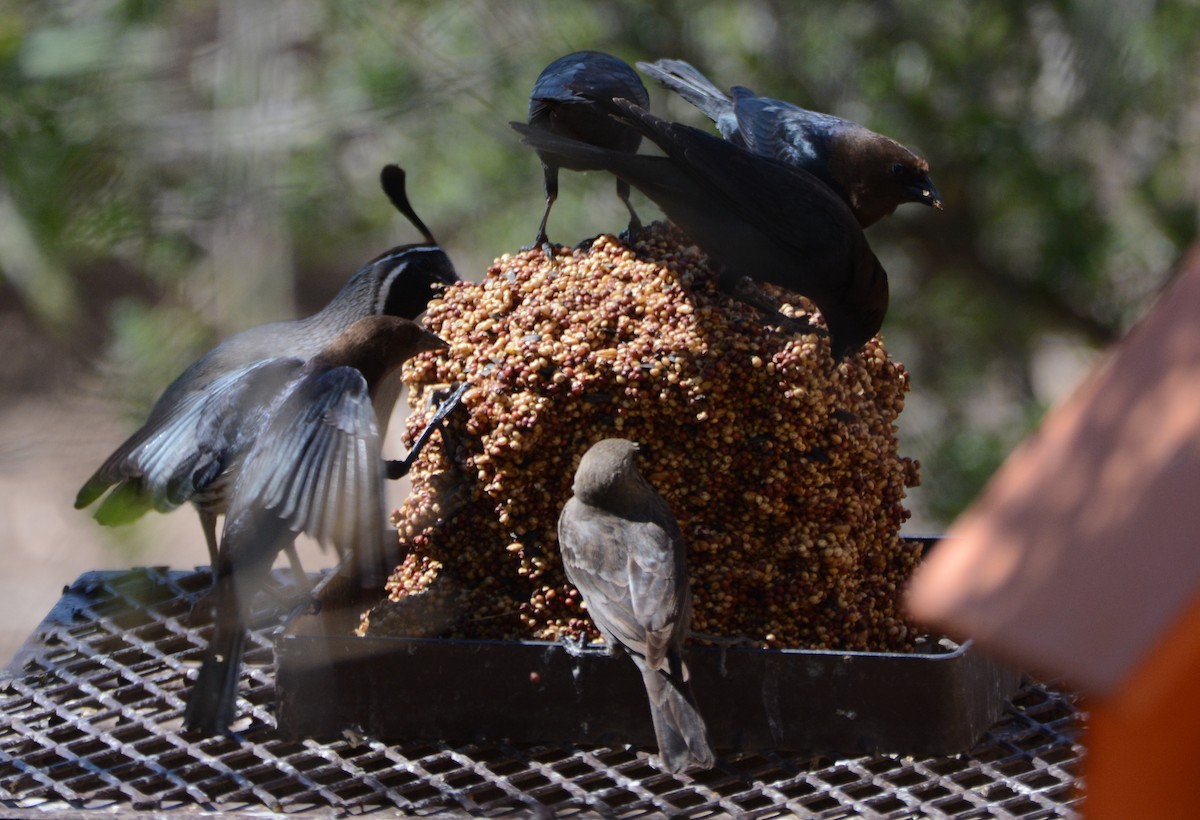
(872, 173)
(557, 105)
(756, 217)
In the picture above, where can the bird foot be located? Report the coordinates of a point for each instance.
(543, 244)
(792, 324)
(202, 609)
(725, 643)
(577, 647)
(306, 604)
(548, 250)
(399, 469)
(630, 236)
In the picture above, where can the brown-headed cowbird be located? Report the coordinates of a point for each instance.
(313, 464)
(149, 466)
(621, 547)
(555, 106)
(757, 217)
(871, 172)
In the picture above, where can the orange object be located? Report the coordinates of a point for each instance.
(1081, 559)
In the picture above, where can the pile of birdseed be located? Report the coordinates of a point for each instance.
(781, 467)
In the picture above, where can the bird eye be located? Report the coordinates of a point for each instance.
(898, 169)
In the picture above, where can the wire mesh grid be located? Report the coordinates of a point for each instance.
(92, 717)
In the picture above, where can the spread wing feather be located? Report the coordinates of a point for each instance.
(173, 459)
(325, 437)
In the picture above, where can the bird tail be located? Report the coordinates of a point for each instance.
(128, 502)
(568, 153)
(687, 82)
(95, 487)
(212, 703)
(678, 726)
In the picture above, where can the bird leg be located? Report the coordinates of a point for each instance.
(724, 643)
(746, 291)
(399, 469)
(310, 603)
(635, 224)
(202, 607)
(208, 523)
(298, 575)
(541, 240)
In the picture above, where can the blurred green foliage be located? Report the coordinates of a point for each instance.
(173, 171)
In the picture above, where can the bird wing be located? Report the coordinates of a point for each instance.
(773, 128)
(593, 552)
(658, 586)
(793, 207)
(318, 464)
(627, 574)
(810, 211)
(174, 457)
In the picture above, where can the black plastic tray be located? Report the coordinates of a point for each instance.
(472, 691)
(835, 703)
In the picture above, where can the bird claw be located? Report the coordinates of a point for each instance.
(576, 647)
(548, 250)
(201, 611)
(724, 643)
(399, 468)
(629, 237)
(543, 244)
(791, 324)
(306, 605)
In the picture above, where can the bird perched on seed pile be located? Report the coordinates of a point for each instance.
(757, 217)
(163, 464)
(555, 106)
(871, 172)
(621, 547)
(313, 464)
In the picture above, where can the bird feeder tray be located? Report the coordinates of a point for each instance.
(937, 701)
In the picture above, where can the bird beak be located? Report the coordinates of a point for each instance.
(926, 194)
(431, 341)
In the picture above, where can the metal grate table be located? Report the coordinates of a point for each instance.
(92, 708)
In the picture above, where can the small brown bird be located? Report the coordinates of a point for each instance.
(149, 467)
(554, 106)
(872, 173)
(756, 217)
(310, 463)
(621, 547)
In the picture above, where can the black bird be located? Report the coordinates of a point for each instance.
(757, 217)
(621, 547)
(871, 172)
(313, 464)
(555, 106)
(399, 282)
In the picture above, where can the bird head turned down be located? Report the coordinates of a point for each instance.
(884, 175)
(607, 469)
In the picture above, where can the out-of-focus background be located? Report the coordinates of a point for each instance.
(175, 171)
